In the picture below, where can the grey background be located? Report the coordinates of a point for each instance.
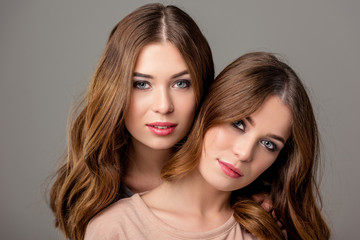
(49, 50)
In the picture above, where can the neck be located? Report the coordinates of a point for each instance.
(190, 204)
(195, 194)
(145, 164)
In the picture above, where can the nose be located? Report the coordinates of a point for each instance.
(244, 149)
(162, 101)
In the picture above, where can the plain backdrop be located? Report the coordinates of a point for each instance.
(49, 50)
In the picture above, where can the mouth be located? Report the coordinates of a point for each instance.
(161, 128)
(230, 170)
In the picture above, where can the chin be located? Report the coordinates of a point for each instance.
(227, 187)
(162, 146)
(223, 187)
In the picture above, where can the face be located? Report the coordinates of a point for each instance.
(162, 104)
(235, 154)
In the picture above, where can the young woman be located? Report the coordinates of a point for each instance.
(256, 132)
(141, 102)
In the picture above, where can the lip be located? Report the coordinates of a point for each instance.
(162, 128)
(230, 169)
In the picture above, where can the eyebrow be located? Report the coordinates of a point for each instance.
(136, 74)
(251, 121)
(277, 138)
(180, 74)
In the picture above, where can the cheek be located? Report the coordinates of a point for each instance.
(133, 115)
(185, 106)
(217, 140)
(222, 139)
(206, 163)
(136, 106)
(264, 164)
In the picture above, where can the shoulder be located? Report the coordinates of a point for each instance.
(247, 235)
(109, 223)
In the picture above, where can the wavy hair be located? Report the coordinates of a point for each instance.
(91, 176)
(238, 91)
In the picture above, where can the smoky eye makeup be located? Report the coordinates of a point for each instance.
(182, 83)
(141, 84)
(239, 125)
(269, 145)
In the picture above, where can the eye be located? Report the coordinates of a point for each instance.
(142, 85)
(269, 145)
(240, 125)
(182, 84)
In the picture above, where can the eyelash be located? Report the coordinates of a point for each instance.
(271, 149)
(186, 82)
(136, 84)
(237, 125)
(242, 127)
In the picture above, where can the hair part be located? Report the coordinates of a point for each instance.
(238, 91)
(91, 177)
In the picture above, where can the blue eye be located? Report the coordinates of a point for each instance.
(269, 145)
(142, 85)
(182, 84)
(240, 125)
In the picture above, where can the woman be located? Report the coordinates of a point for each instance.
(255, 132)
(156, 58)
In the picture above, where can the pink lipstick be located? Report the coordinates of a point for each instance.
(161, 128)
(230, 169)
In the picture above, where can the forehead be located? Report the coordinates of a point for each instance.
(274, 117)
(160, 57)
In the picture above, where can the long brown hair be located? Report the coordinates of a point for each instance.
(92, 176)
(236, 93)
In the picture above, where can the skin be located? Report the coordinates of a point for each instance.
(200, 201)
(161, 93)
(250, 145)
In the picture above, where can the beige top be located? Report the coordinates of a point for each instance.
(130, 218)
